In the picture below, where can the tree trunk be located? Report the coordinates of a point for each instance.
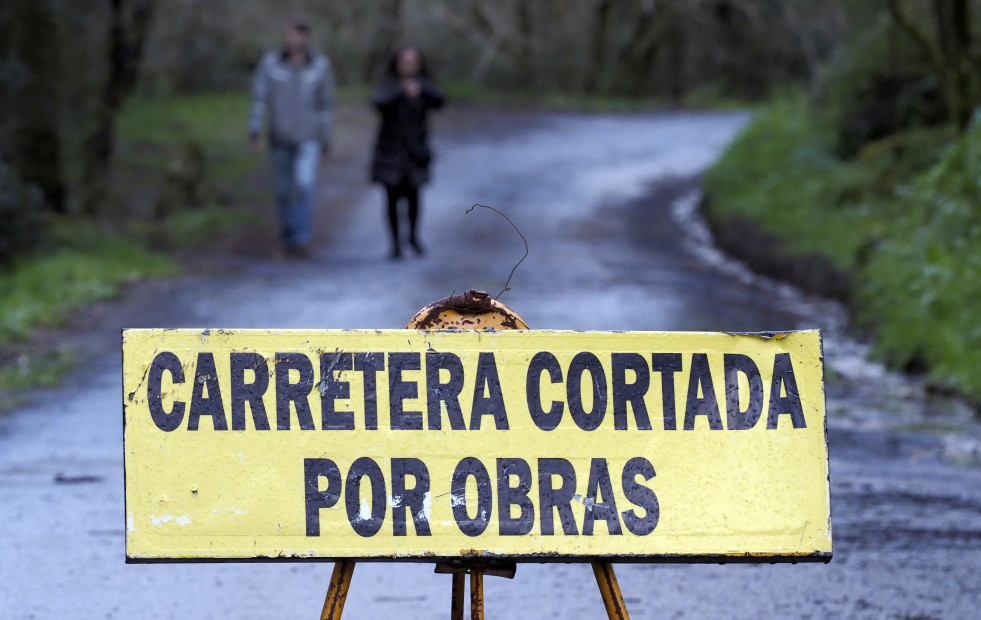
(641, 47)
(597, 59)
(388, 29)
(35, 140)
(954, 38)
(526, 48)
(948, 51)
(676, 46)
(129, 21)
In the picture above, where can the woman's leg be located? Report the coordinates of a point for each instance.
(412, 196)
(393, 194)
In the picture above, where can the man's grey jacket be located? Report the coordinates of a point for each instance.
(297, 99)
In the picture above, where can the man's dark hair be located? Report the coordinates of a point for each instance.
(300, 23)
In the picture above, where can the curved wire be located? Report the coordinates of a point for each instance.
(507, 284)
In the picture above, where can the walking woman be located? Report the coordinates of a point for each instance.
(402, 154)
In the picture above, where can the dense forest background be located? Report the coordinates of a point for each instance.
(862, 160)
(67, 68)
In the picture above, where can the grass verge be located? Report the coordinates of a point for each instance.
(899, 220)
(44, 289)
(183, 152)
(171, 152)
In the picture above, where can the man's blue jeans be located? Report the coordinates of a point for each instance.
(295, 166)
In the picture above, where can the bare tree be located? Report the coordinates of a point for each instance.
(948, 49)
(29, 35)
(128, 24)
(599, 31)
(386, 35)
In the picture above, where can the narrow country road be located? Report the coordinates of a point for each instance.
(606, 204)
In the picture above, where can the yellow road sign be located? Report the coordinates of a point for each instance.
(535, 445)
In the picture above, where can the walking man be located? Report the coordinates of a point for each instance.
(292, 94)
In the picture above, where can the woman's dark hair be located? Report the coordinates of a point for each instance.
(393, 64)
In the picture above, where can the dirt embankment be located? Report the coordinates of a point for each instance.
(768, 255)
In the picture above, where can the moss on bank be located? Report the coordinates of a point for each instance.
(900, 221)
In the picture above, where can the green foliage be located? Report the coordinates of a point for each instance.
(21, 215)
(172, 120)
(167, 140)
(881, 81)
(43, 369)
(714, 97)
(80, 263)
(468, 90)
(199, 227)
(923, 283)
(900, 217)
(44, 289)
(194, 148)
(781, 173)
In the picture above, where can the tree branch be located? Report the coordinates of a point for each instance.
(907, 25)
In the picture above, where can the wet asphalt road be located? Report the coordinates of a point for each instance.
(606, 205)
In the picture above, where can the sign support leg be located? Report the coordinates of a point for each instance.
(616, 608)
(476, 594)
(340, 583)
(459, 591)
(488, 314)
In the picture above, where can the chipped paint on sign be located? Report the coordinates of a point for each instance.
(532, 445)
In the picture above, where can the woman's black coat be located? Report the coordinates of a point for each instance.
(402, 153)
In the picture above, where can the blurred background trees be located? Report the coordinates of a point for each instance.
(664, 48)
(122, 131)
(29, 91)
(66, 68)
(126, 25)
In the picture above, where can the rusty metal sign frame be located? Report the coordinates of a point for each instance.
(477, 311)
